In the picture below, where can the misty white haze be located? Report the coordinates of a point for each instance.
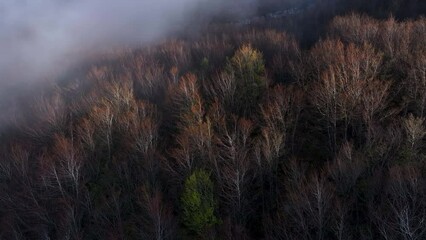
(40, 39)
(41, 36)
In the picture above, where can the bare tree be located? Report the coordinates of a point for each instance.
(224, 89)
(416, 81)
(158, 222)
(374, 100)
(415, 130)
(310, 208)
(195, 142)
(402, 212)
(343, 94)
(103, 117)
(150, 78)
(236, 170)
(340, 225)
(353, 28)
(394, 38)
(48, 114)
(345, 170)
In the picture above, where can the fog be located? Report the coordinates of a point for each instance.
(41, 37)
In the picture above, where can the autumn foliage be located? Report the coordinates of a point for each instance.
(238, 134)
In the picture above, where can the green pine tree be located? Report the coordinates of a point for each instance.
(248, 68)
(198, 204)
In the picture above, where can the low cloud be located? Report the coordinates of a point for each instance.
(38, 37)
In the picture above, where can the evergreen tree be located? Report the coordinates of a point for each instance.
(248, 69)
(198, 204)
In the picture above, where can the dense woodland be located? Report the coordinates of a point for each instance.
(284, 129)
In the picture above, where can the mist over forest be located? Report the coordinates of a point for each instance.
(201, 119)
(42, 35)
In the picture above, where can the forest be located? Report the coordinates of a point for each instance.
(303, 127)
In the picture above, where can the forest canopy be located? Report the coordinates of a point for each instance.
(278, 128)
